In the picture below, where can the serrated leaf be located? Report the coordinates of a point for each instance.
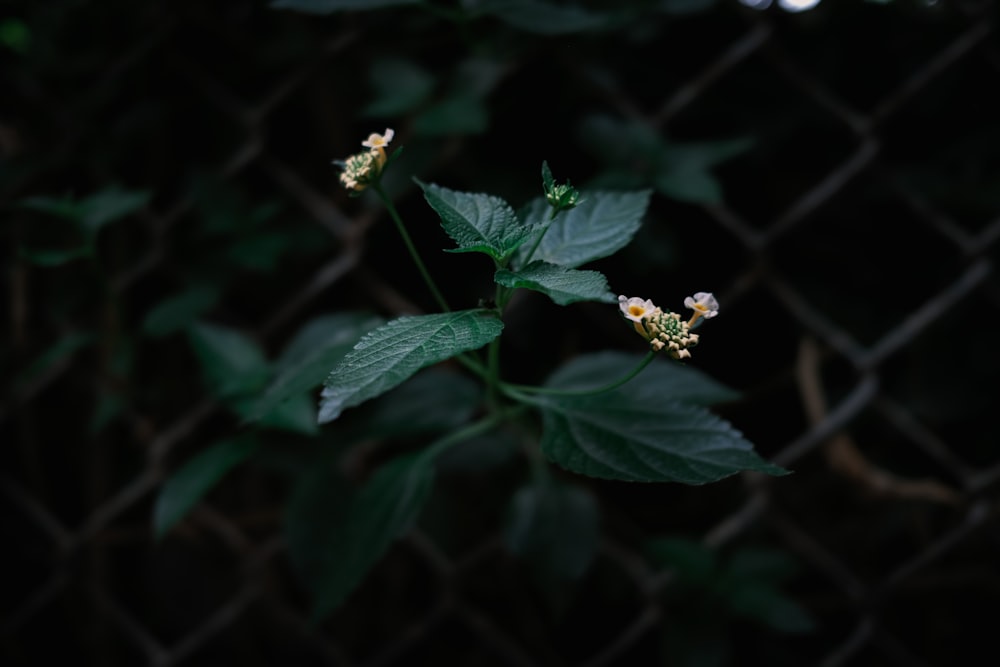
(634, 435)
(306, 361)
(562, 285)
(555, 527)
(665, 380)
(232, 362)
(178, 311)
(600, 225)
(194, 479)
(477, 222)
(330, 6)
(381, 511)
(386, 357)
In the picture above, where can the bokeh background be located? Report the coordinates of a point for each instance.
(167, 194)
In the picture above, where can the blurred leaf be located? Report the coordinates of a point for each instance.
(392, 353)
(177, 312)
(767, 605)
(682, 7)
(564, 286)
(110, 205)
(601, 224)
(194, 479)
(319, 499)
(317, 347)
(330, 6)
(694, 562)
(59, 350)
(544, 18)
(400, 87)
(50, 258)
(429, 401)
(295, 414)
(108, 407)
(555, 528)
(461, 113)
(233, 364)
(762, 564)
(688, 186)
(667, 380)
(91, 214)
(477, 222)
(381, 511)
(479, 454)
(15, 35)
(259, 252)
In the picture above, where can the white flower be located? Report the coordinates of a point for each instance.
(704, 305)
(379, 140)
(634, 308)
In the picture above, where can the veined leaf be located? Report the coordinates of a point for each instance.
(662, 380)
(600, 225)
(392, 353)
(562, 285)
(381, 511)
(303, 365)
(194, 479)
(477, 222)
(634, 435)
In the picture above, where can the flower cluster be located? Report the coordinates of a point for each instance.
(363, 169)
(664, 329)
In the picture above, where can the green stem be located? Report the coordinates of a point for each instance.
(523, 392)
(538, 241)
(394, 214)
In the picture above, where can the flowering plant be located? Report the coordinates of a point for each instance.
(612, 415)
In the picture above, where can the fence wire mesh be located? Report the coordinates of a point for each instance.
(854, 255)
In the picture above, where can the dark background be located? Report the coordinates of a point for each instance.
(830, 175)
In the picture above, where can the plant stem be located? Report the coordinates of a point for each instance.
(522, 392)
(538, 241)
(394, 214)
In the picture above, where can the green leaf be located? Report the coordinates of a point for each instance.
(330, 6)
(544, 18)
(194, 479)
(49, 258)
(233, 364)
(600, 225)
(633, 434)
(381, 511)
(429, 402)
(770, 607)
(303, 365)
(389, 355)
(555, 527)
(694, 562)
(460, 113)
(295, 414)
(60, 350)
(110, 205)
(694, 185)
(562, 285)
(400, 87)
(179, 311)
(477, 222)
(663, 379)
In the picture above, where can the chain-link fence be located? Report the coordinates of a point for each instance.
(852, 251)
